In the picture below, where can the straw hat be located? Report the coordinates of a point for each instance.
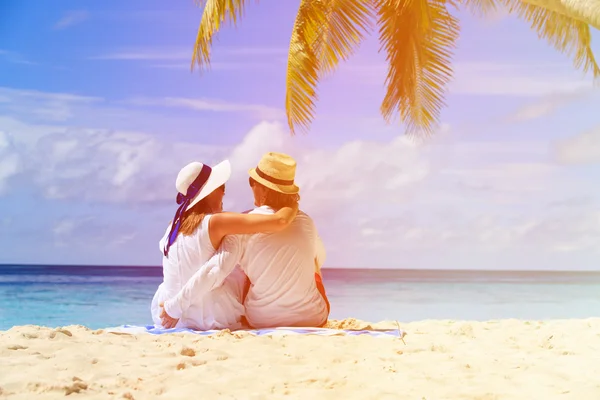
(276, 171)
(214, 177)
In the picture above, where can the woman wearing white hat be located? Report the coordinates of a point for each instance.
(194, 235)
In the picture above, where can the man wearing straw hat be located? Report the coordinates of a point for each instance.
(284, 286)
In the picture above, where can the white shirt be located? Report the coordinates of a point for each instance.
(281, 268)
(217, 309)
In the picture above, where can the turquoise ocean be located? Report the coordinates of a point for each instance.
(99, 297)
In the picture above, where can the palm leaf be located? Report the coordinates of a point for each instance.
(303, 65)
(325, 32)
(481, 8)
(586, 11)
(216, 13)
(343, 30)
(564, 33)
(418, 37)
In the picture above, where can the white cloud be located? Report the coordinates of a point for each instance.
(513, 80)
(334, 178)
(580, 149)
(64, 227)
(219, 66)
(72, 18)
(106, 166)
(10, 161)
(94, 165)
(18, 95)
(360, 170)
(181, 53)
(42, 105)
(15, 58)
(179, 58)
(399, 204)
(454, 201)
(488, 233)
(148, 54)
(199, 104)
(492, 79)
(547, 105)
(515, 177)
(63, 107)
(85, 232)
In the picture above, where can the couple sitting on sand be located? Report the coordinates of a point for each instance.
(228, 270)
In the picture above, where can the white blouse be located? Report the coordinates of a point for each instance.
(217, 309)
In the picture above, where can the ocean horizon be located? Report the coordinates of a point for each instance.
(533, 270)
(101, 296)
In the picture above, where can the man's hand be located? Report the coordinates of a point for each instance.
(167, 321)
(287, 214)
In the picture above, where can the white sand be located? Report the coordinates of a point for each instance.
(440, 360)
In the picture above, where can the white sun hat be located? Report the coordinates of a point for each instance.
(196, 176)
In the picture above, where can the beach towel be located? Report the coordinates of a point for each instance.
(391, 333)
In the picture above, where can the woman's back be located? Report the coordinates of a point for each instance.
(220, 308)
(186, 255)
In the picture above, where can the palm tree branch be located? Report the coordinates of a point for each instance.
(586, 11)
(215, 14)
(344, 27)
(325, 32)
(303, 65)
(418, 37)
(566, 34)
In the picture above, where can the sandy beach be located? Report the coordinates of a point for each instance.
(505, 359)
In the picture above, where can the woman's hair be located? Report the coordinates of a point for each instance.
(193, 217)
(277, 200)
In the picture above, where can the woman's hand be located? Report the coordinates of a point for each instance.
(287, 214)
(167, 321)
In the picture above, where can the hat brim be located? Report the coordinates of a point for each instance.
(285, 189)
(219, 175)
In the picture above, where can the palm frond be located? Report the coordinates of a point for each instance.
(481, 8)
(303, 65)
(215, 14)
(564, 33)
(343, 30)
(418, 37)
(586, 11)
(325, 32)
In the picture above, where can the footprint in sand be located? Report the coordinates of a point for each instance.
(186, 351)
(438, 348)
(76, 387)
(17, 347)
(65, 332)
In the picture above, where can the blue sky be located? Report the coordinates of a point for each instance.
(99, 110)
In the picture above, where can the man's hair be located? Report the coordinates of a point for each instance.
(277, 200)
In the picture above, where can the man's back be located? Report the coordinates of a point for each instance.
(281, 269)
